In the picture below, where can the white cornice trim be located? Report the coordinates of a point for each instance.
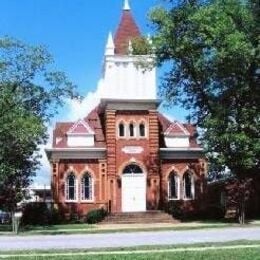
(75, 153)
(78, 149)
(179, 149)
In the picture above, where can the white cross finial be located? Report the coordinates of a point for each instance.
(126, 5)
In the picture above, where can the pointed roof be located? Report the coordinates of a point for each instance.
(110, 47)
(126, 31)
(80, 127)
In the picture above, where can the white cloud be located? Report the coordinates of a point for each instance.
(79, 109)
(43, 174)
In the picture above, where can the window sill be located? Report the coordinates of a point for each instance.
(71, 201)
(87, 201)
(174, 199)
(187, 199)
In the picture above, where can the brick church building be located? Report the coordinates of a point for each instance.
(125, 156)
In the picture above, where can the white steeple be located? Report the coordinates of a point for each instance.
(126, 5)
(122, 77)
(110, 47)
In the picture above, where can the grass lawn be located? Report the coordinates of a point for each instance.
(217, 251)
(55, 229)
(92, 229)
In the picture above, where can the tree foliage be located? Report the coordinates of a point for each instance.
(30, 92)
(214, 53)
(213, 47)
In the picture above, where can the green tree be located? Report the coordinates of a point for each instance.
(30, 93)
(212, 48)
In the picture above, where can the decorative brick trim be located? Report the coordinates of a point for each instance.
(111, 141)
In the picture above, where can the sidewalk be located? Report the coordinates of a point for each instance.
(128, 239)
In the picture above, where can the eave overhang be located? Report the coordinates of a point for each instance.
(181, 153)
(75, 153)
(130, 104)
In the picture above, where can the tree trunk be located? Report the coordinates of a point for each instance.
(244, 189)
(13, 222)
(241, 216)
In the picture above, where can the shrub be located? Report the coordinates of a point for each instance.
(183, 210)
(39, 214)
(175, 209)
(214, 212)
(55, 216)
(95, 216)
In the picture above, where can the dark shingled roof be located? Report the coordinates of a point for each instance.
(165, 123)
(126, 31)
(93, 119)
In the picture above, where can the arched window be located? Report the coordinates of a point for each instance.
(71, 187)
(142, 130)
(86, 187)
(132, 169)
(121, 130)
(131, 130)
(173, 186)
(188, 186)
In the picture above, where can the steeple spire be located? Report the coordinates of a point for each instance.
(110, 47)
(126, 6)
(127, 30)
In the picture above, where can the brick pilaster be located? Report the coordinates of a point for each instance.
(111, 142)
(154, 142)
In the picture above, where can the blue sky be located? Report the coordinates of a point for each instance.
(75, 33)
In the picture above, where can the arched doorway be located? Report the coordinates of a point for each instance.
(133, 189)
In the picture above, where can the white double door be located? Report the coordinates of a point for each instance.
(133, 192)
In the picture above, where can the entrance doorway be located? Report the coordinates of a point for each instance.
(133, 189)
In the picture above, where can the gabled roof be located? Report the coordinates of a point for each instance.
(92, 120)
(126, 31)
(95, 119)
(80, 127)
(176, 129)
(167, 125)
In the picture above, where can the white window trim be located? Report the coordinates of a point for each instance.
(92, 190)
(178, 186)
(136, 128)
(192, 188)
(76, 189)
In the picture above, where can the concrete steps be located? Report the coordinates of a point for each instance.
(139, 217)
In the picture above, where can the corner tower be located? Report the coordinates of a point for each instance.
(122, 77)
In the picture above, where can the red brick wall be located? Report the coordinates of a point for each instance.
(197, 167)
(107, 173)
(79, 167)
(148, 159)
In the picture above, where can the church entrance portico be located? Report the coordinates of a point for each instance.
(133, 189)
